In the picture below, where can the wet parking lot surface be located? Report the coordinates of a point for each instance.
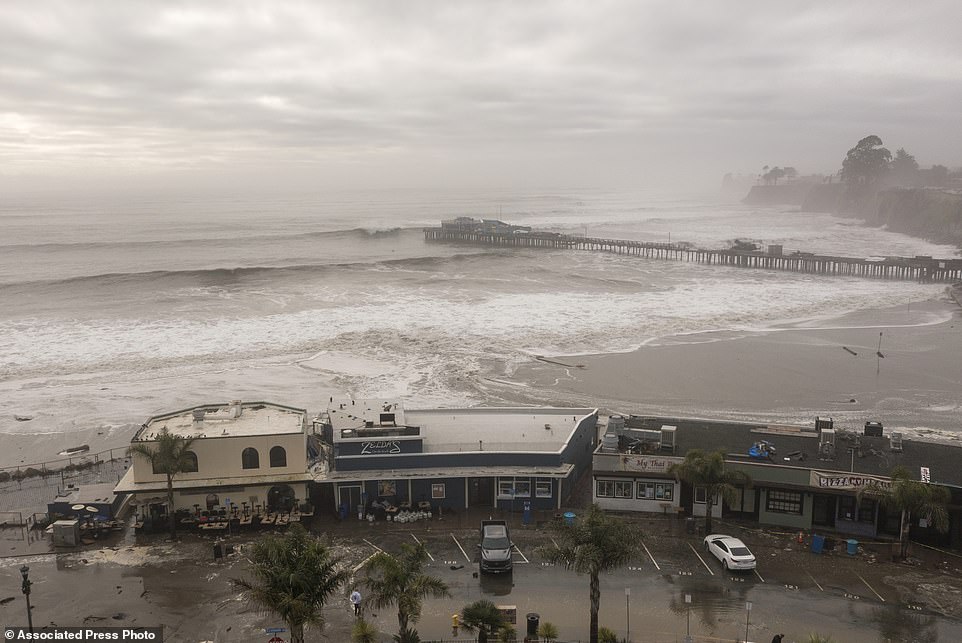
(793, 591)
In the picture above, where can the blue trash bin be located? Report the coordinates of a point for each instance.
(852, 547)
(569, 518)
(818, 542)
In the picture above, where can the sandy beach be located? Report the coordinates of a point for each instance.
(790, 373)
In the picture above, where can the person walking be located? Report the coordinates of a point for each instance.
(356, 602)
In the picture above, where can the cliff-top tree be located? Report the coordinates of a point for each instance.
(866, 163)
(905, 169)
(170, 455)
(707, 470)
(595, 543)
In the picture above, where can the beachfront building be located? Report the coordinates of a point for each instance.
(251, 456)
(803, 477)
(384, 455)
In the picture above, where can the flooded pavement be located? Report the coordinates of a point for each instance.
(146, 581)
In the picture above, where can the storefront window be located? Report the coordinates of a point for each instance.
(542, 488)
(784, 502)
(614, 488)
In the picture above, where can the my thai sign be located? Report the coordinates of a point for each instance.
(647, 463)
(851, 481)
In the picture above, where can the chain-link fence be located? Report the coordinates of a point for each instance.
(28, 489)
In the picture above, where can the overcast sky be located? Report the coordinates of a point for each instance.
(450, 93)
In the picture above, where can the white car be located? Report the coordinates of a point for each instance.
(732, 552)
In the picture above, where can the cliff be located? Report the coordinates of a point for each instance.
(785, 194)
(930, 214)
(926, 213)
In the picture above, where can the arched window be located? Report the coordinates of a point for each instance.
(250, 459)
(278, 457)
(190, 462)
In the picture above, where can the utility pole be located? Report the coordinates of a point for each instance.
(627, 614)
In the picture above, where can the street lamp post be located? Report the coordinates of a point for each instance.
(25, 588)
(748, 618)
(627, 613)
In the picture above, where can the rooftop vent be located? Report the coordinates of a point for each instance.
(616, 424)
(236, 408)
(668, 437)
(895, 442)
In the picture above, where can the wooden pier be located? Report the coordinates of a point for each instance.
(921, 269)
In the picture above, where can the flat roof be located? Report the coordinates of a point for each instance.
(798, 446)
(223, 420)
(504, 429)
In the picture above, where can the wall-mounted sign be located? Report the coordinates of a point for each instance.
(647, 463)
(380, 447)
(823, 480)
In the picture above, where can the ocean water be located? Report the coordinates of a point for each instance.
(115, 310)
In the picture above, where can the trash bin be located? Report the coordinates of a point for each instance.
(569, 518)
(818, 542)
(852, 547)
(690, 525)
(533, 621)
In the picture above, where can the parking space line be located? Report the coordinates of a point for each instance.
(701, 559)
(759, 575)
(461, 548)
(870, 587)
(519, 552)
(425, 548)
(555, 543)
(363, 562)
(820, 588)
(372, 544)
(650, 556)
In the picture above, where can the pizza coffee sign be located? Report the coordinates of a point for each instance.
(824, 480)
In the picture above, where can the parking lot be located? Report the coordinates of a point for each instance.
(791, 590)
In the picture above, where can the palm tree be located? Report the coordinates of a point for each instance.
(547, 631)
(400, 580)
(294, 575)
(483, 616)
(707, 470)
(593, 544)
(170, 455)
(363, 632)
(507, 634)
(911, 497)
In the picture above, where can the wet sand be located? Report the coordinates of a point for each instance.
(791, 373)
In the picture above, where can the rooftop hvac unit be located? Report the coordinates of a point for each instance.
(616, 424)
(824, 423)
(873, 429)
(826, 444)
(609, 443)
(668, 437)
(895, 441)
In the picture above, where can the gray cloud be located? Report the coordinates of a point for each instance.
(612, 88)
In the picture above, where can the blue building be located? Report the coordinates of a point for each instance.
(379, 452)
